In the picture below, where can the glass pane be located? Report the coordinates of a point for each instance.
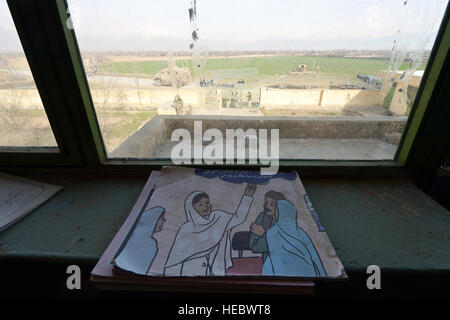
(23, 121)
(336, 78)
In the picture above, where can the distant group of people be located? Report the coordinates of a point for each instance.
(235, 101)
(206, 83)
(210, 83)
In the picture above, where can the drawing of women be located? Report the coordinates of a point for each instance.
(141, 248)
(202, 245)
(291, 251)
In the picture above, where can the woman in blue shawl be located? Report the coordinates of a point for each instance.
(291, 251)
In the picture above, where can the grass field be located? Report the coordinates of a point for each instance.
(140, 67)
(265, 66)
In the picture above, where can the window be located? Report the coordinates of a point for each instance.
(338, 79)
(336, 88)
(23, 121)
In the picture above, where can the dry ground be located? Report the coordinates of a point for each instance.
(31, 127)
(25, 128)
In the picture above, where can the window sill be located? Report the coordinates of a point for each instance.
(387, 222)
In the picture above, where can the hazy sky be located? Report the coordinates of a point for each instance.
(244, 24)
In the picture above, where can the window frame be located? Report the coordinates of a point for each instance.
(430, 84)
(34, 40)
(77, 131)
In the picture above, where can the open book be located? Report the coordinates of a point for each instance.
(222, 224)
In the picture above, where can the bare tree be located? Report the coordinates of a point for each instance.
(104, 99)
(11, 102)
(122, 98)
(136, 72)
(10, 105)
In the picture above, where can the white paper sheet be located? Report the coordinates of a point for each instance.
(19, 196)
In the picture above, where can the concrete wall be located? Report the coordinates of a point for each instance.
(290, 97)
(351, 98)
(296, 127)
(270, 98)
(157, 131)
(143, 142)
(399, 103)
(30, 99)
(143, 97)
(338, 98)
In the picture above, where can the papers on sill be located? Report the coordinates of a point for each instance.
(19, 196)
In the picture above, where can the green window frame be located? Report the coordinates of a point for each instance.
(55, 61)
(34, 39)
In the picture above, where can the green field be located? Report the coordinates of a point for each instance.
(265, 66)
(145, 67)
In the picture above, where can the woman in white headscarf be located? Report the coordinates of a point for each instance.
(202, 245)
(140, 249)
